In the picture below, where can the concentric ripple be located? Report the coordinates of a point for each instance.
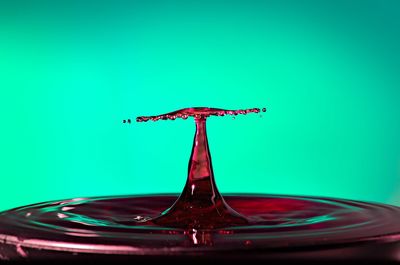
(116, 224)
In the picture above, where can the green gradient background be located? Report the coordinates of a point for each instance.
(328, 72)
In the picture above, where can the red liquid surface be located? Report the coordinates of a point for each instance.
(278, 228)
(200, 223)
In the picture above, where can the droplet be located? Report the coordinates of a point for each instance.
(141, 219)
(264, 109)
(247, 242)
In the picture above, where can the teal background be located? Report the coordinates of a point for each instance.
(328, 72)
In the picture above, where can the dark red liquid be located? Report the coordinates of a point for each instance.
(200, 205)
(279, 228)
(201, 224)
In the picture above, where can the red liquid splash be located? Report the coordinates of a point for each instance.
(201, 225)
(200, 205)
(199, 112)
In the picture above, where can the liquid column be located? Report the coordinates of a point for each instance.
(200, 205)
